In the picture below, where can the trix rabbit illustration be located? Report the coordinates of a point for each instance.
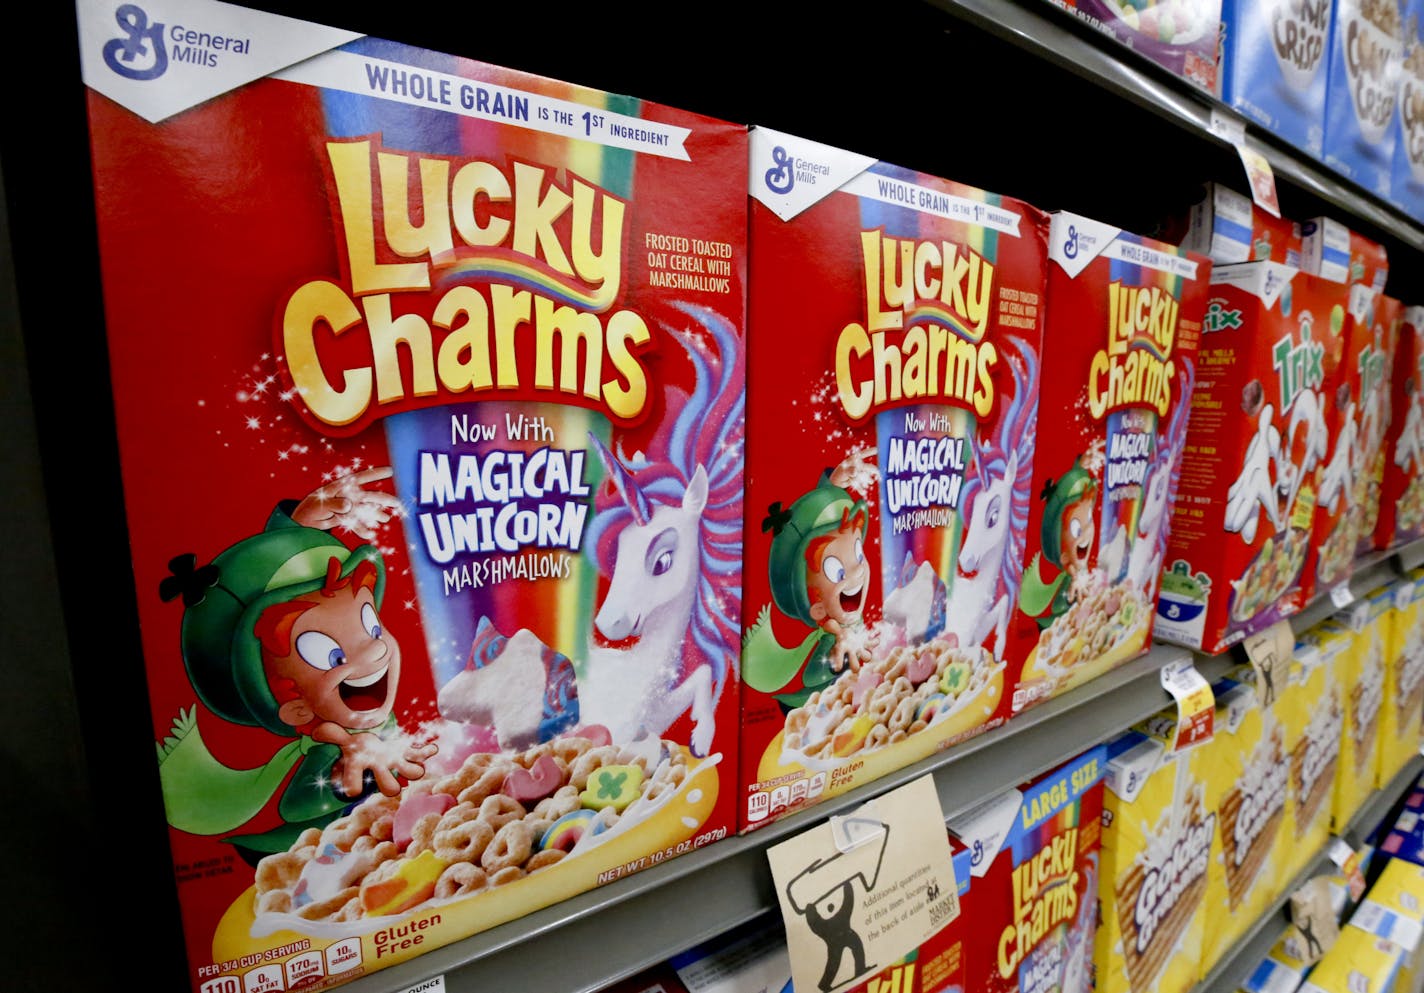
(819, 575)
(282, 631)
(1069, 535)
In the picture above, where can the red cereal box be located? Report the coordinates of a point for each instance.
(1373, 358)
(1401, 514)
(898, 323)
(1228, 227)
(428, 379)
(1124, 319)
(1035, 888)
(1258, 443)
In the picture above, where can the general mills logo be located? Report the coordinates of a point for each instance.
(1070, 244)
(143, 45)
(780, 178)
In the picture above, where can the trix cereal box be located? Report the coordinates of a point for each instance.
(1035, 867)
(1228, 227)
(1401, 514)
(1372, 349)
(429, 383)
(1274, 65)
(1178, 34)
(1366, 48)
(1157, 846)
(1124, 320)
(1248, 768)
(1258, 440)
(895, 334)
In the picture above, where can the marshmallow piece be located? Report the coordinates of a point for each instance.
(613, 786)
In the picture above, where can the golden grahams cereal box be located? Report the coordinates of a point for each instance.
(897, 341)
(1258, 442)
(1402, 709)
(1158, 842)
(1312, 709)
(1247, 768)
(429, 379)
(1363, 678)
(1124, 319)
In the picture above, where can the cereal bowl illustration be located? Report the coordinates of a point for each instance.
(1175, 22)
(1183, 595)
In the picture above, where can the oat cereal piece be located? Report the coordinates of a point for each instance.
(879, 735)
(506, 875)
(487, 785)
(589, 763)
(900, 735)
(510, 848)
(498, 810)
(903, 716)
(564, 801)
(274, 902)
(918, 725)
(457, 815)
(280, 870)
(460, 879)
(422, 834)
(548, 857)
(319, 910)
(350, 912)
(465, 776)
(464, 842)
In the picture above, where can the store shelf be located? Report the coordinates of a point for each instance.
(1056, 36)
(1246, 954)
(567, 948)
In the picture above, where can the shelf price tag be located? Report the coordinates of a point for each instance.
(1259, 175)
(1196, 704)
(1270, 653)
(1314, 918)
(435, 984)
(1342, 596)
(1348, 860)
(863, 889)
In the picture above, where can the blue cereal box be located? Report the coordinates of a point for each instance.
(1407, 179)
(1274, 65)
(1366, 48)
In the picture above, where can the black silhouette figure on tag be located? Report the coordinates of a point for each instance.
(825, 893)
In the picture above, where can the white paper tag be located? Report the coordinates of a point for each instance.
(1341, 596)
(435, 984)
(1270, 653)
(1196, 705)
(858, 897)
(1227, 127)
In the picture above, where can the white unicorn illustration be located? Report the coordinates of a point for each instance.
(668, 535)
(1146, 559)
(981, 600)
(979, 608)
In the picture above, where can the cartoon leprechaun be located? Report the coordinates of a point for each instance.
(819, 575)
(282, 631)
(1069, 534)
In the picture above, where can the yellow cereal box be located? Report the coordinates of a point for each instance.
(1247, 772)
(1358, 963)
(1156, 845)
(1402, 711)
(1394, 909)
(1312, 709)
(1363, 678)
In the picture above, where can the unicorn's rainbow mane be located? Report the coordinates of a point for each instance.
(708, 430)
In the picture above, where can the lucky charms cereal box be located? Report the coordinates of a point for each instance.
(1258, 440)
(1124, 320)
(428, 379)
(895, 328)
(1033, 919)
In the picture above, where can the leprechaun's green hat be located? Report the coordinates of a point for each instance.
(224, 599)
(1058, 497)
(817, 513)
